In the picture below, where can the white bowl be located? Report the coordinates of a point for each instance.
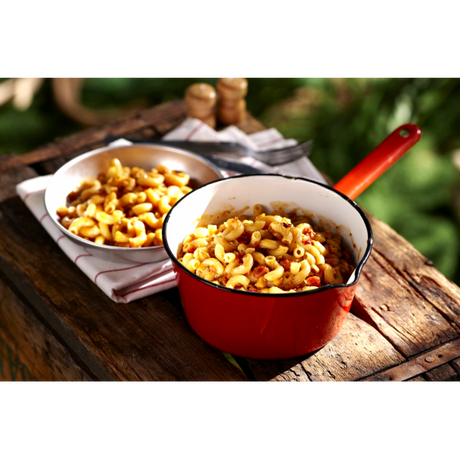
(146, 156)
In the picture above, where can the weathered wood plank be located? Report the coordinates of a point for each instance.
(356, 352)
(442, 373)
(15, 175)
(422, 363)
(409, 302)
(145, 340)
(28, 349)
(419, 378)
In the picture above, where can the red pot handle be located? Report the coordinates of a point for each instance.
(379, 160)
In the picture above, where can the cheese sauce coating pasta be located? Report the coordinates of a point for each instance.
(268, 254)
(124, 206)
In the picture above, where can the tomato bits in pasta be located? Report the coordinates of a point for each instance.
(267, 254)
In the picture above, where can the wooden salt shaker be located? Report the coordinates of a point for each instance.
(231, 105)
(201, 100)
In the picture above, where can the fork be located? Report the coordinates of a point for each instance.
(271, 157)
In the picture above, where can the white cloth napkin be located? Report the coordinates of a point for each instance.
(125, 282)
(195, 130)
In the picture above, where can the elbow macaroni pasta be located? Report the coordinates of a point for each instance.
(124, 206)
(268, 254)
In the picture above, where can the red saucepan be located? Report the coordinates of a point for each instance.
(277, 326)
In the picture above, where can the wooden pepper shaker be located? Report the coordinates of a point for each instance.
(201, 100)
(231, 105)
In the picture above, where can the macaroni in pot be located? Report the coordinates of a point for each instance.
(267, 253)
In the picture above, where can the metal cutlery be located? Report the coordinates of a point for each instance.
(271, 157)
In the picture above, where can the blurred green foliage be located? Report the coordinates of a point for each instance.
(346, 118)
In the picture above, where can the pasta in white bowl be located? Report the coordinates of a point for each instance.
(112, 201)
